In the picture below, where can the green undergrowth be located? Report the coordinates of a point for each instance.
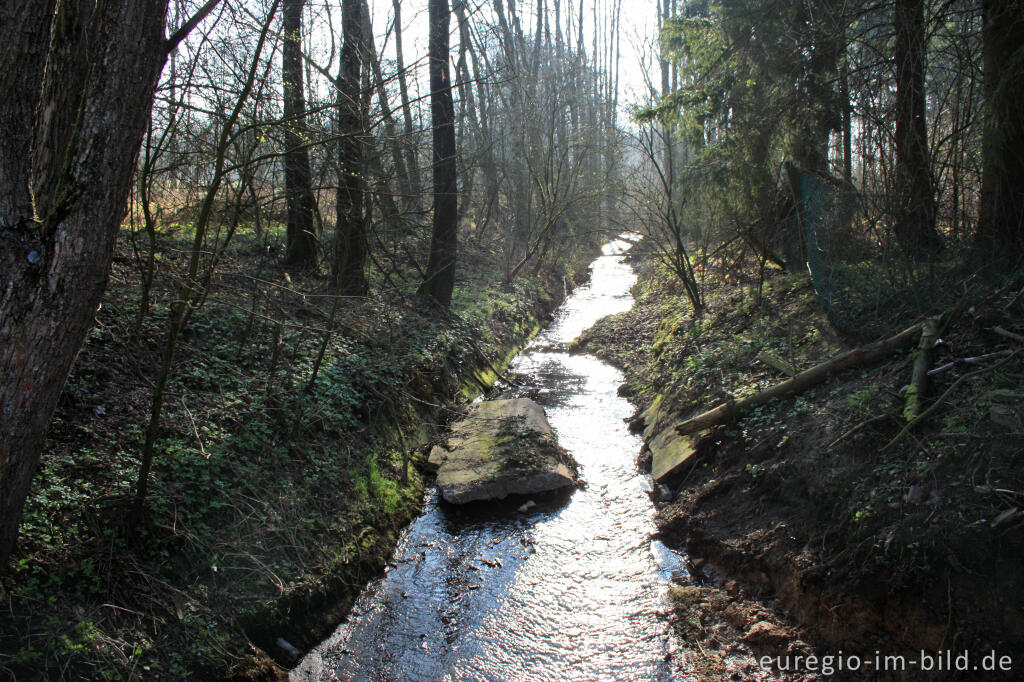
(274, 495)
(922, 526)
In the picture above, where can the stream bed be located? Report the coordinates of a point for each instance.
(566, 588)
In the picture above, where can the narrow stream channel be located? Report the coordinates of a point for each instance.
(564, 589)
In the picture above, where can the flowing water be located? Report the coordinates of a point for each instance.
(567, 589)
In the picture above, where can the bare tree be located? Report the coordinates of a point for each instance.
(412, 160)
(440, 275)
(194, 289)
(351, 243)
(300, 250)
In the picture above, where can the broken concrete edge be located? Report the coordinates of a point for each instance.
(669, 451)
(531, 483)
(476, 464)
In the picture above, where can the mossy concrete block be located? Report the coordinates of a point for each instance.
(502, 448)
(652, 416)
(669, 451)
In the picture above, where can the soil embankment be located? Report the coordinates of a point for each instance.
(281, 483)
(807, 519)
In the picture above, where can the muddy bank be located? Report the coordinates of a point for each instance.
(798, 510)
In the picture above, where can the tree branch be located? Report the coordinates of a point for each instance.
(175, 38)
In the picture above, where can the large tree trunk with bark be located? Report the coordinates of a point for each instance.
(298, 177)
(915, 201)
(75, 90)
(440, 276)
(351, 238)
(1001, 223)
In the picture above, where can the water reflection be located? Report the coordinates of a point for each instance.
(568, 589)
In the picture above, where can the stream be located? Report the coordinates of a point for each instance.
(569, 588)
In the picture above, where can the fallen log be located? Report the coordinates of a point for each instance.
(727, 412)
(938, 401)
(922, 363)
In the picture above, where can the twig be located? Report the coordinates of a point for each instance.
(858, 427)
(942, 397)
(121, 608)
(968, 361)
(1008, 334)
(195, 431)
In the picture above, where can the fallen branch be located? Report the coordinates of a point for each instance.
(1008, 334)
(922, 363)
(941, 398)
(729, 411)
(977, 360)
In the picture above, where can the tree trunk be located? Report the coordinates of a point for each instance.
(1001, 222)
(390, 130)
(440, 279)
(412, 158)
(298, 177)
(351, 243)
(469, 125)
(915, 201)
(85, 118)
(478, 108)
(844, 96)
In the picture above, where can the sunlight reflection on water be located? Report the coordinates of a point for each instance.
(571, 589)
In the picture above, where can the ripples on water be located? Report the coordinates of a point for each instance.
(572, 588)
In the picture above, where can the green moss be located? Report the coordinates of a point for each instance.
(483, 378)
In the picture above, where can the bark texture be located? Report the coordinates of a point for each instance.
(1001, 223)
(350, 244)
(75, 89)
(915, 213)
(440, 276)
(298, 177)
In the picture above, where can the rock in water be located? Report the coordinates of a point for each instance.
(502, 448)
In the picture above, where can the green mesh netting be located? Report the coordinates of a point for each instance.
(864, 281)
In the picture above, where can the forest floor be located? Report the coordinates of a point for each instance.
(275, 496)
(809, 532)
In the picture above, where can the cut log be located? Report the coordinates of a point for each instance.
(922, 363)
(727, 412)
